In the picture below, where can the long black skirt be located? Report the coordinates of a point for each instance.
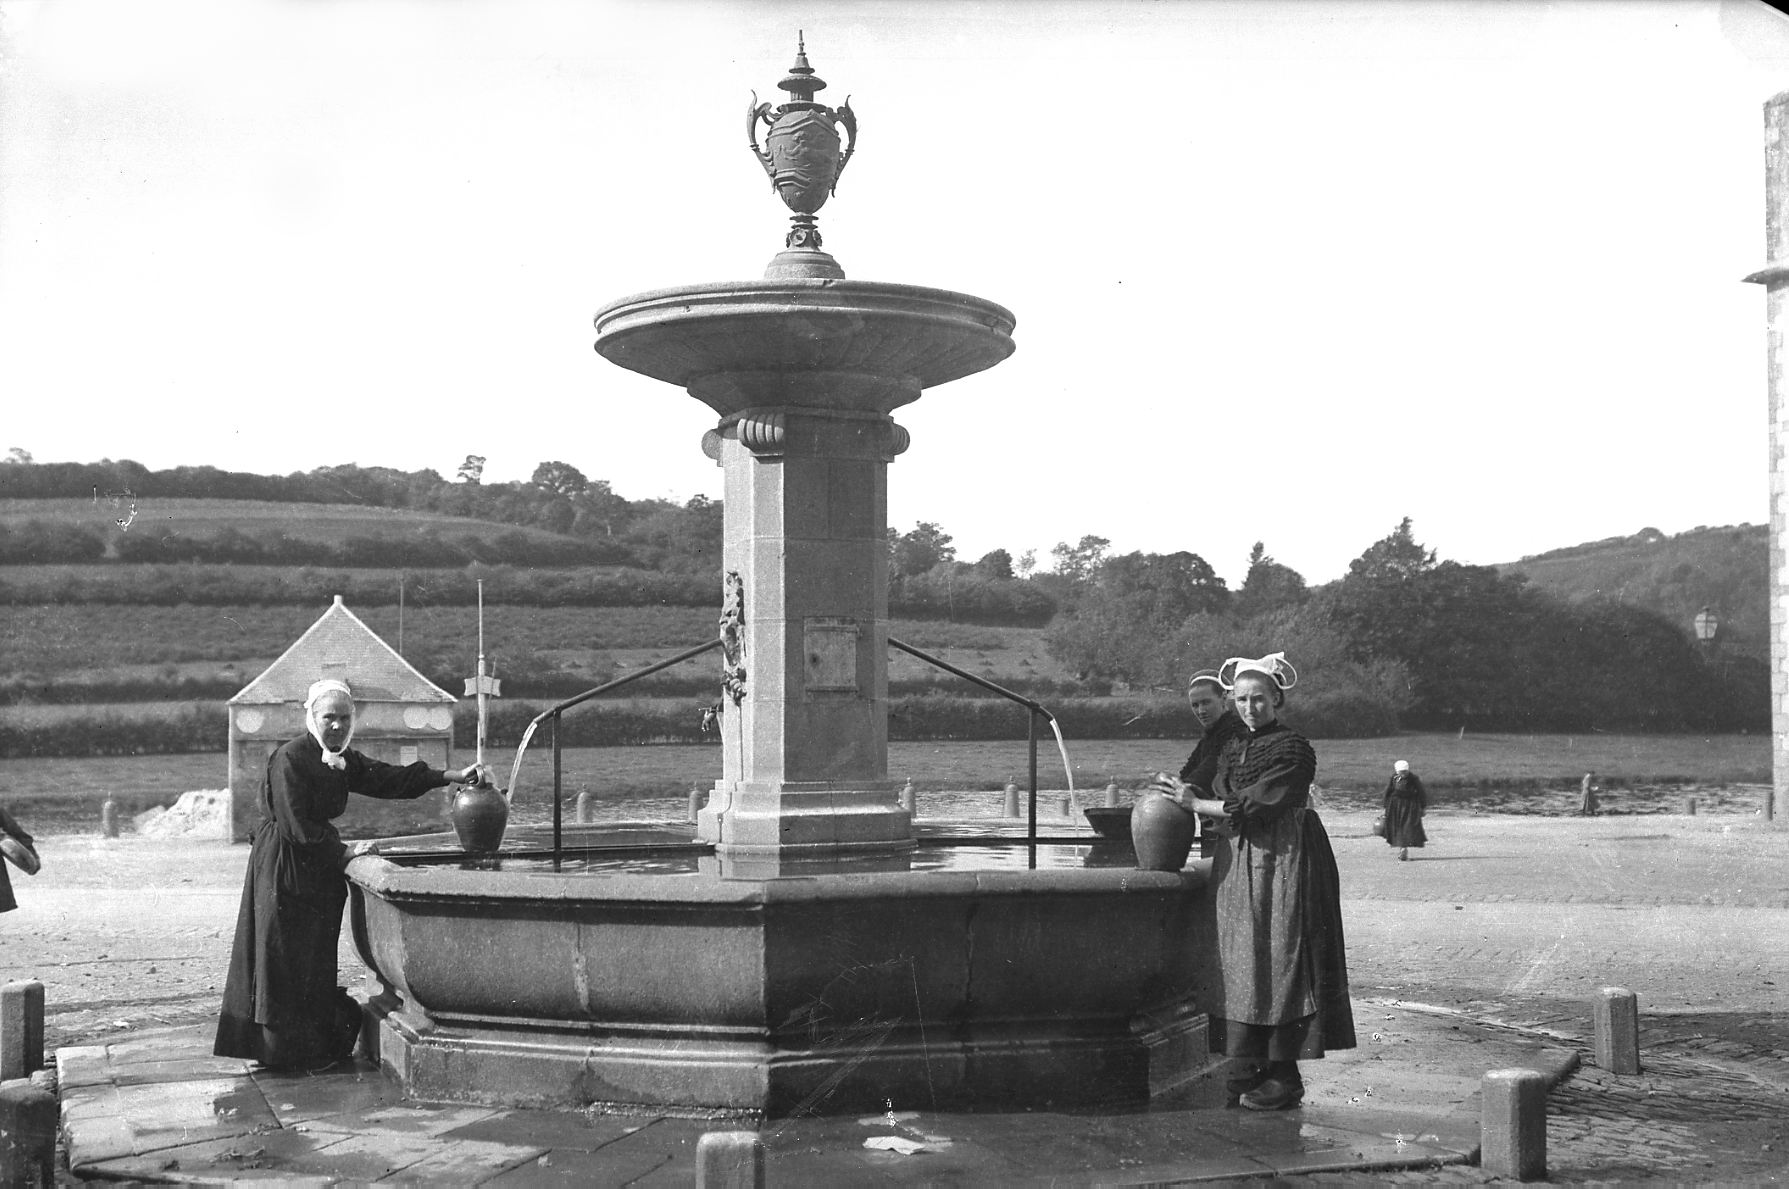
(1404, 822)
(282, 1006)
(1283, 994)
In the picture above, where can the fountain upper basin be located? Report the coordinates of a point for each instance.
(805, 341)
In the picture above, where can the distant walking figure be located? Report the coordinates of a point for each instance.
(1405, 801)
(1588, 789)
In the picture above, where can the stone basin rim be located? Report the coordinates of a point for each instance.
(818, 294)
(394, 881)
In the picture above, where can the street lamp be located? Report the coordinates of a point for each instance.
(1707, 624)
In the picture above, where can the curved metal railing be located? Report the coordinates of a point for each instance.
(554, 713)
(1036, 709)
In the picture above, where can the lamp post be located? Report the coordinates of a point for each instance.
(1708, 627)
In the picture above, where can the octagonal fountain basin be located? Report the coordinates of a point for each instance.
(820, 343)
(685, 988)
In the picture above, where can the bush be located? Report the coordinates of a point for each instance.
(965, 594)
(198, 728)
(37, 543)
(934, 717)
(35, 690)
(599, 724)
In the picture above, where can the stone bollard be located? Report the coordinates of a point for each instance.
(1112, 796)
(1011, 808)
(695, 802)
(27, 1135)
(1689, 806)
(729, 1159)
(910, 799)
(21, 1029)
(584, 808)
(1512, 1137)
(1615, 1014)
(108, 818)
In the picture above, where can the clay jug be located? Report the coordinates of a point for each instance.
(480, 812)
(18, 854)
(1162, 832)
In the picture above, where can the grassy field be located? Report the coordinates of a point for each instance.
(196, 517)
(1455, 769)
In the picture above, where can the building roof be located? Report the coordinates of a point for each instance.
(339, 645)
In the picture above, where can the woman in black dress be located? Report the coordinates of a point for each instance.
(1283, 994)
(1405, 801)
(282, 1006)
(1218, 724)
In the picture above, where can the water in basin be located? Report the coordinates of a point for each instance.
(688, 862)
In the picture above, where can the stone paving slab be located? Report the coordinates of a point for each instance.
(150, 1108)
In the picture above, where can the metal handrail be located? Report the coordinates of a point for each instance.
(554, 713)
(1035, 708)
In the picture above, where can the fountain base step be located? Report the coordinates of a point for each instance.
(1055, 1067)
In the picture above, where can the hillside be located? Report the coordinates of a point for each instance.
(1726, 569)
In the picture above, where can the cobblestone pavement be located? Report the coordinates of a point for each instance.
(1711, 1102)
(1687, 912)
(1702, 1110)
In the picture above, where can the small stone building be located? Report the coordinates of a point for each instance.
(400, 717)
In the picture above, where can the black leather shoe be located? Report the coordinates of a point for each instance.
(1244, 1082)
(1274, 1095)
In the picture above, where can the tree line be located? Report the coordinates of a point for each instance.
(1404, 639)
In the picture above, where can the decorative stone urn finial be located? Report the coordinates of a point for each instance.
(801, 149)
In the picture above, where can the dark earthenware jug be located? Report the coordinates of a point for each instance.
(19, 855)
(480, 812)
(1162, 831)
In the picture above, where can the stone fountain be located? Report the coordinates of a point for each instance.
(799, 965)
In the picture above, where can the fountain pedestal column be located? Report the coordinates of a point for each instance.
(805, 726)
(804, 367)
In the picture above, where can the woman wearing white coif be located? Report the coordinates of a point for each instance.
(1283, 992)
(1405, 802)
(282, 1006)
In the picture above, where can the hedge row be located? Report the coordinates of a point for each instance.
(925, 717)
(195, 729)
(424, 550)
(210, 585)
(37, 543)
(26, 691)
(1004, 601)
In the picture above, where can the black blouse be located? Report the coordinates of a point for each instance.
(1264, 774)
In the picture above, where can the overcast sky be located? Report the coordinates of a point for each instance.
(1283, 272)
